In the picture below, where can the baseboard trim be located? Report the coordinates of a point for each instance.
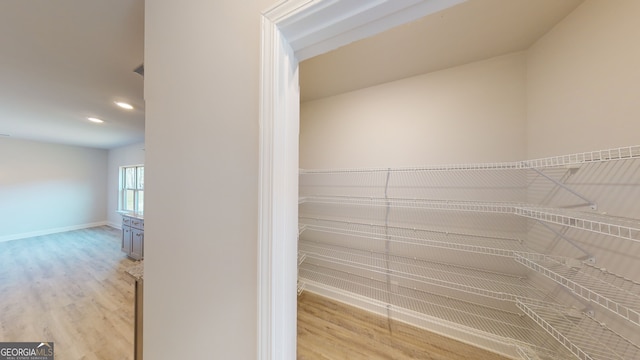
(51, 231)
(115, 225)
(477, 338)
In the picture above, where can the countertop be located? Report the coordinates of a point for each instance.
(133, 214)
(136, 271)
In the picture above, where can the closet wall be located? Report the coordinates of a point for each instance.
(571, 92)
(471, 113)
(583, 81)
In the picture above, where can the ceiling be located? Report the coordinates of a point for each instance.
(65, 60)
(472, 31)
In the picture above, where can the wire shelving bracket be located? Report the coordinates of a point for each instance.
(564, 186)
(589, 257)
(614, 293)
(582, 335)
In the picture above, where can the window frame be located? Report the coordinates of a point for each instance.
(136, 189)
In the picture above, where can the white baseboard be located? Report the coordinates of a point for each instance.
(51, 231)
(478, 338)
(117, 225)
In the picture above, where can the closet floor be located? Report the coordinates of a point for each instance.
(332, 330)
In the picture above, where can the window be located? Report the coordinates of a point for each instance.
(132, 188)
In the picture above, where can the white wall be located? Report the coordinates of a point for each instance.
(122, 156)
(583, 81)
(202, 61)
(47, 188)
(470, 113)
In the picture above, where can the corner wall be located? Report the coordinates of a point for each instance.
(47, 188)
(583, 81)
(465, 114)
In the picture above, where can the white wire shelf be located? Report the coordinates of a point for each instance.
(628, 229)
(447, 167)
(471, 206)
(473, 281)
(584, 337)
(621, 153)
(483, 318)
(392, 256)
(615, 293)
(424, 238)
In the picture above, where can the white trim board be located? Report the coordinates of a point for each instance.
(313, 27)
(292, 31)
(51, 231)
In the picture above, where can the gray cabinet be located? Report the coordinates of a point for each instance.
(133, 237)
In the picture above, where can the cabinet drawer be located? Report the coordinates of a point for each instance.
(126, 221)
(137, 223)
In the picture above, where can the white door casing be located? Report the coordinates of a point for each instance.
(293, 31)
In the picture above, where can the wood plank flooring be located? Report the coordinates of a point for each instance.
(69, 288)
(331, 330)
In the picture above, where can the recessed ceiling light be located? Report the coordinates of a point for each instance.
(124, 105)
(95, 120)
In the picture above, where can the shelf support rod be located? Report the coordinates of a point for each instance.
(387, 248)
(590, 258)
(592, 204)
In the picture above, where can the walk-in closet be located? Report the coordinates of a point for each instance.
(494, 202)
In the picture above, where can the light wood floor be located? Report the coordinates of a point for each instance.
(332, 330)
(69, 288)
